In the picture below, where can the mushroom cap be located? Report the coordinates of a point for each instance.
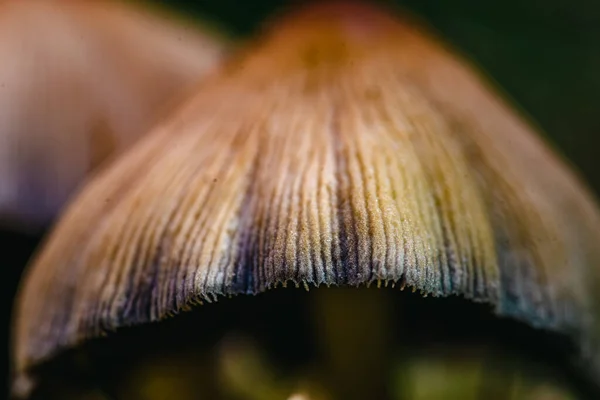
(79, 82)
(346, 147)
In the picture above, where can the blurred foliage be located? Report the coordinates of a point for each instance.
(544, 54)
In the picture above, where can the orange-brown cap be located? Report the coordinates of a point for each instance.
(346, 147)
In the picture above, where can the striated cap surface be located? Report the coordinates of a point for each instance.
(345, 147)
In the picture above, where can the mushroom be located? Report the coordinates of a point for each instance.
(80, 81)
(346, 148)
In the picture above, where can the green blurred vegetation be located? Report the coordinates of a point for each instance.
(544, 54)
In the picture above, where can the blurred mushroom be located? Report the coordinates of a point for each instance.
(347, 148)
(81, 81)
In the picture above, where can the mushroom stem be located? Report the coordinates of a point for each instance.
(354, 332)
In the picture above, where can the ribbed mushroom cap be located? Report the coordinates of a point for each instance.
(345, 148)
(80, 81)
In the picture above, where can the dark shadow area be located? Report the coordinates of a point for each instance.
(283, 325)
(17, 248)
